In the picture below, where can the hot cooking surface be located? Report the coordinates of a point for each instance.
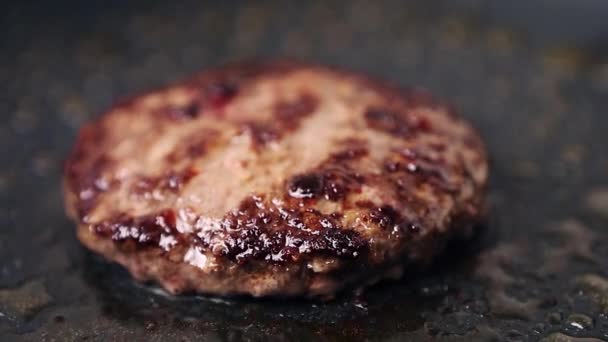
(538, 272)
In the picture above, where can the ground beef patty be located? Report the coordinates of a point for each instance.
(274, 178)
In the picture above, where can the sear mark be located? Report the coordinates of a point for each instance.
(214, 96)
(194, 145)
(420, 123)
(184, 112)
(340, 181)
(256, 230)
(89, 185)
(331, 182)
(421, 168)
(289, 114)
(279, 234)
(396, 123)
(350, 153)
(171, 181)
(389, 219)
(334, 178)
(134, 233)
(261, 134)
(387, 121)
(219, 94)
(306, 186)
(384, 216)
(287, 117)
(84, 171)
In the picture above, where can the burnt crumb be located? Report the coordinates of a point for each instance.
(219, 94)
(188, 111)
(305, 186)
(387, 121)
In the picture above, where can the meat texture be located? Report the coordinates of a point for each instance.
(275, 179)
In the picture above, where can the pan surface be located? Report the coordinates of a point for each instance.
(537, 93)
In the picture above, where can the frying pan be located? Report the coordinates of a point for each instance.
(532, 76)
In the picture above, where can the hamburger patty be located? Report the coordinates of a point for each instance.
(274, 178)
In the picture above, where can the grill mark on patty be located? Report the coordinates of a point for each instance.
(272, 229)
(275, 231)
(416, 167)
(393, 222)
(132, 234)
(334, 178)
(278, 231)
(290, 113)
(261, 133)
(396, 122)
(88, 186)
(183, 112)
(286, 118)
(84, 171)
(281, 233)
(194, 146)
(214, 96)
(386, 120)
(305, 186)
(171, 181)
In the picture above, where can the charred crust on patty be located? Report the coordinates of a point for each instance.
(286, 118)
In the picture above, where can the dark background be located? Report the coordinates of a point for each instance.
(532, 76)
